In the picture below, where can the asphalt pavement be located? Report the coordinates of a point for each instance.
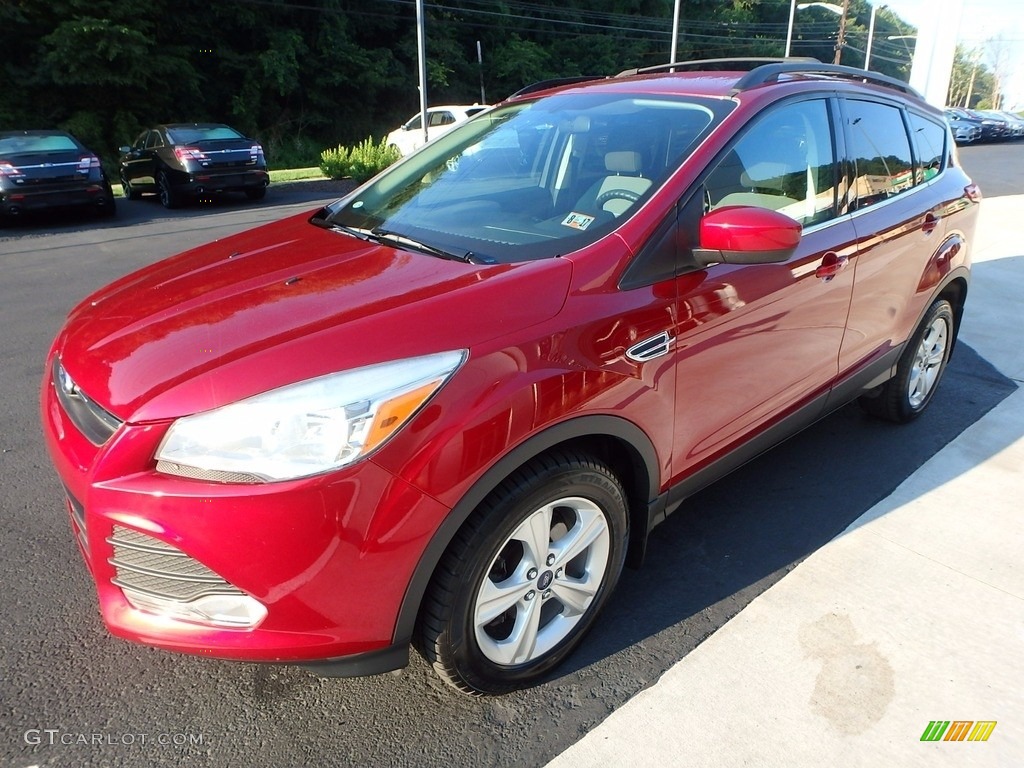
(901, 641)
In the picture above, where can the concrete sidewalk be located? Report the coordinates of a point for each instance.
(915, 613)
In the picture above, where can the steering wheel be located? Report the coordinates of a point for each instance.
(616, 194)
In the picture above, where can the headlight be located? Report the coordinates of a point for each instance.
(307, 428)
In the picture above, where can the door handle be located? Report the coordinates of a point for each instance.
(931, 221)
(831, 265)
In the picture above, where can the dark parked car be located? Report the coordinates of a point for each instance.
(964, 131)
(448, 408)
(992, 128)
(50, 169)
(185, 160)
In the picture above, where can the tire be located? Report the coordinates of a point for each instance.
(130, 192)
(906, 395)
(553, 535)
(256, 193)
(108, 209)
(169, 196)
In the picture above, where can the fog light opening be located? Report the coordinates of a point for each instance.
(230, 611)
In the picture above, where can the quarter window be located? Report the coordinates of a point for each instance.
(880, 151)
(930, 141)
(785, 162)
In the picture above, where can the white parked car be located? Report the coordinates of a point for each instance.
(440, 120)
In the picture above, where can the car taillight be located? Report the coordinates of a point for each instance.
(8, 170)
(189, 153)
(255, 152)
(87, 162)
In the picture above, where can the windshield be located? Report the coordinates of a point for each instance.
(535, 179)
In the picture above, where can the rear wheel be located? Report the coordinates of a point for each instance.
(256, 193)
(526, 576)
(905, 396)
(169, 196)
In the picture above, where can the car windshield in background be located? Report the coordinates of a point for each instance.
(533, 180)
(193, 134)
(24, 145)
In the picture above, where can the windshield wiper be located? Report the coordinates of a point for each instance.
(467, 257)
(390, 237)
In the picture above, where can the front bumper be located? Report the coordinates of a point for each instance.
(328, 558)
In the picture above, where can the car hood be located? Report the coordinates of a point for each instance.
(281, 304)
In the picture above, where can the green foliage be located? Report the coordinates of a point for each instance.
(299, 76)
(360, 162)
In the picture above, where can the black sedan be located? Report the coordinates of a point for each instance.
(187, 160)
(50, 169)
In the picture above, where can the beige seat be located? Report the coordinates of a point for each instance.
(764, 184)
(616, 193)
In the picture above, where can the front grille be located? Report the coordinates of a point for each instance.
(158, 569)
(92, 421)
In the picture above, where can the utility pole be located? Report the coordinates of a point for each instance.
(841, 39)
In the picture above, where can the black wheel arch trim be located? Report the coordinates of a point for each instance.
(376, 662)
(581, 427)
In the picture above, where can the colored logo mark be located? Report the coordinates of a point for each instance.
(958, 730)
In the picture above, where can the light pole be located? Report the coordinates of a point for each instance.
(421, 55)
(789, 32)
(675, 33)
(840, 11)
(871, 34)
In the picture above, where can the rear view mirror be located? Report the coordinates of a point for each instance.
(746, 235)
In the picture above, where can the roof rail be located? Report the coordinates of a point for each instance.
(554, 82)
(731, 64)
(768, 73)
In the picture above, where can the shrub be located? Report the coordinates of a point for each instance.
(360, 162)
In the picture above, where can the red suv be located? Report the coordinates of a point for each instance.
(448, 408)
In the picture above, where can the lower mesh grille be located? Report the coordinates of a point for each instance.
(155, 568)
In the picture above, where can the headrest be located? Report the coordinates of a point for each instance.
(622, 162)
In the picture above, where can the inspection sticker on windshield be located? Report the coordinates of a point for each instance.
(577, 220)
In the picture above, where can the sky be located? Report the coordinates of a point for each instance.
(985, 25)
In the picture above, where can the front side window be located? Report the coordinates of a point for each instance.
(785, 162)
(880, 150)
(153, 140)
(532, 180)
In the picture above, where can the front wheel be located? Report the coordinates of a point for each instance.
(905, 396)
(526, 576)
(130, 192)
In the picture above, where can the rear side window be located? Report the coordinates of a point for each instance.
(880, 150)
(930, 142)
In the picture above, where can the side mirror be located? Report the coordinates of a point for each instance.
(124, 150)
(743, 234)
